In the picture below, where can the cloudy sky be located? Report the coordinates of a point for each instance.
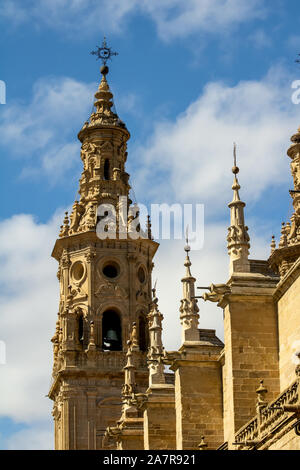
(190, 79)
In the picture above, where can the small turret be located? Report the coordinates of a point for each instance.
(189, 316)
(238, 239)
(156, 350)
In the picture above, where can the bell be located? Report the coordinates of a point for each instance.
(111, 336)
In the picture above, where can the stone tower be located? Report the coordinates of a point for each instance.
(105, 265)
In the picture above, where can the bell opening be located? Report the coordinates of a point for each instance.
(111, 331)
(143, 333)
(80, 330)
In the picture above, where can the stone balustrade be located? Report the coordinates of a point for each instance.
(269, 418)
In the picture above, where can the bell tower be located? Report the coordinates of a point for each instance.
(105, 285)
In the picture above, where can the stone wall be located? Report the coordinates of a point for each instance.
(251, 350)
(289, 332)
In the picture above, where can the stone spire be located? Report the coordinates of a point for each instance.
(237, 238)
(103, 114)
(156, 350)
(129, 386)
(103, 154)
(189, 316)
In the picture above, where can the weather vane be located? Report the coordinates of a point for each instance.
(104, 52)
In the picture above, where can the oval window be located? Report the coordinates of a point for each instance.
(111, 270)
(77, 271)
(141, 274)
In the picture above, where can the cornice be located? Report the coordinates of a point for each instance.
(286, 282)
(91, 237)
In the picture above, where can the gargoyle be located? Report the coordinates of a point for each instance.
(217, 292)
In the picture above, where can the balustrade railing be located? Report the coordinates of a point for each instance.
(269, 417)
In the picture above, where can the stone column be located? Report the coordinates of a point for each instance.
(198, 392)
(160, 418)
(159, 409)
(251, 347)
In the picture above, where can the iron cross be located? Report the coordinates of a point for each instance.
(104, 52)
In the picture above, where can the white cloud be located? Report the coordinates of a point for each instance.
(209, 265)
(293, 42)
(28, 304)
(173, 18)
(12, 11)
(36, 437)
(193, 153)
(260, 39)
(42, 131)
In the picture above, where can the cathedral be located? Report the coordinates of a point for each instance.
(114, 386)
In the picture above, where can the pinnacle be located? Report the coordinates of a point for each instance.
(104, 113)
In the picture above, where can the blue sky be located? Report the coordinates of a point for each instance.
(190, 78)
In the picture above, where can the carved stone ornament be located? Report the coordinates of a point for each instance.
(109, 289)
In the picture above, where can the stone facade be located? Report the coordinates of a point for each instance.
(110, 387)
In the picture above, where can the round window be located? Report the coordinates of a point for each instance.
(111, 270)
(78, 271)
(141, 274)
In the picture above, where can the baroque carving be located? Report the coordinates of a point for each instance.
(65, 260)
(109, 289)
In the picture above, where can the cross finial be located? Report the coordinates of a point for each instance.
(104, 52)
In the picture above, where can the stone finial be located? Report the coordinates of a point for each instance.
(283, 238)
(156, 349)
(149, 233)
(129, 376)
(103, 102)
(64, 229)
(202, 445)
(92, 345)
(261, 392)
(133, 337)
(237, 239)
(294, 153)
(189, 316)
(273, 244)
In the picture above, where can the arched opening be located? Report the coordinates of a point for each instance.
(106, 169)
(80, 329)
(111, 331)
(143, 333)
